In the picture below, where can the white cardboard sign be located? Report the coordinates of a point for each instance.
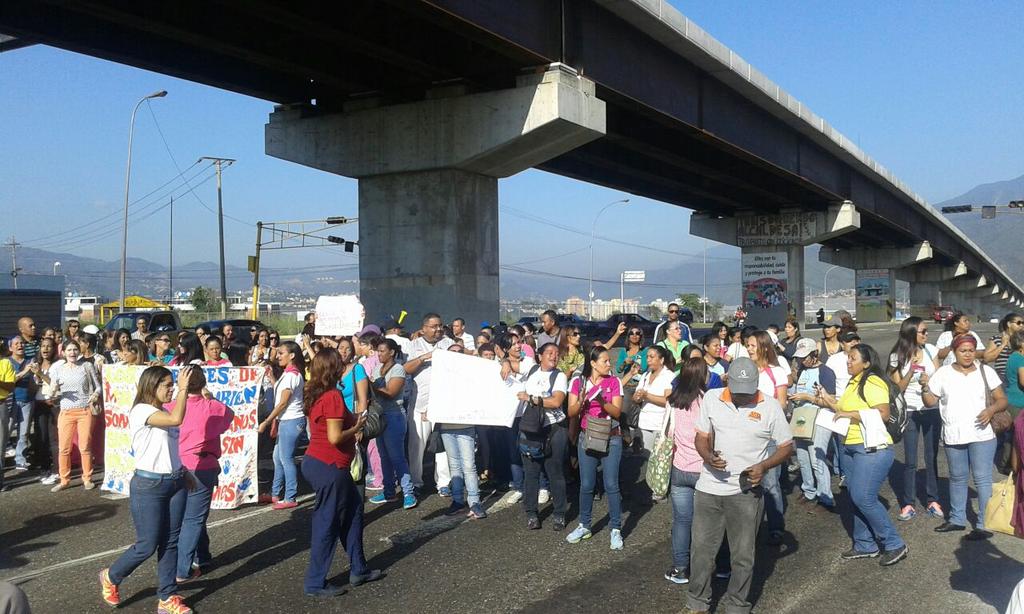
(469, 390)
(339, 315)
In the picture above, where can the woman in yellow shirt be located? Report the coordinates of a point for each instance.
(866, 468)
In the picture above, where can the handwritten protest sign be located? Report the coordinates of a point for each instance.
(339, 315)
(469, 390)
(236, 387)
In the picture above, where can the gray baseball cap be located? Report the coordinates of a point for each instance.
(743, 376)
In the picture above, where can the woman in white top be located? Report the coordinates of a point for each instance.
(158, 488)
(291, 424)
(77, 385)
(962, 391)
(957, 324)
(773, 381)
(44, 413)
(911, 359)
(651, 396)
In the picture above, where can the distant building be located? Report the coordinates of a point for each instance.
(575, 305)
(605, 309)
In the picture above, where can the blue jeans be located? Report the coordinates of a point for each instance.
(681, 492)
(512, 443)
(837, 455)
(928, 424)
(774, 500)
(194, 542)
(337, 514)
(814, 474)
(975, 459)
(609, 464)
(157, 507)
(391, 446)
(21, 412)
(460, 444)
(865, 472)
(285, 475)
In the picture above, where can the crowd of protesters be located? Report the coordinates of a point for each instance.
(739, 409)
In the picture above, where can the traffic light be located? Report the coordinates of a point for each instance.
(958, 209)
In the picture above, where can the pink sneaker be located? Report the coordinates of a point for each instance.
(285, 505)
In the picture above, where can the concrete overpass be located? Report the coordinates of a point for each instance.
(429, 102)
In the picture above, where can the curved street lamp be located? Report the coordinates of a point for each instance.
(593, 230)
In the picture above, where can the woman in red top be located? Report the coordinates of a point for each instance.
(338, 510)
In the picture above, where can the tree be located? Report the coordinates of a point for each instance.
(204, 300)
(691, 300)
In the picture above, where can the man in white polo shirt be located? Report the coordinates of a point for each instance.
(741, 434)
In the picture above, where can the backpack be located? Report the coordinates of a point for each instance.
(532, 421)
(898, 415)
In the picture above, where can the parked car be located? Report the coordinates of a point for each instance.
(243, 328)
(605, 330)
(941, 313)
(158, 322)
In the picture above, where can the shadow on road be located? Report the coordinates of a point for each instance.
(23, 539)
(986, 572)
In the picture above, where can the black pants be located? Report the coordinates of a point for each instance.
(554, 464)
(45, 428)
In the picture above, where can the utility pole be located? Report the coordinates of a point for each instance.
(170, 258)
(254, 268)
(219, 163)
(14, 245)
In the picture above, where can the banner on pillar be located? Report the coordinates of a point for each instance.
(875, 295)
(236, 387)
(765, 279)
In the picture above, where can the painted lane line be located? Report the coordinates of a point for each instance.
(99, 555)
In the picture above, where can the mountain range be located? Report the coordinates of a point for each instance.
(94, 276)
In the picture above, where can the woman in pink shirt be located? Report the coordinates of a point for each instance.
(199, 448)
(684, 403)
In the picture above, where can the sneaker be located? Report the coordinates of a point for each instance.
(455, 508)
(20, 468)
(444, 491)
(935, 510)
(373, 488)
(173, 605)
(532, 523)
(331, 590)
(89, 485)
(514, 496)
(891, 557)
(543, 496)
(842, 481)
(409, 502)
(193, 574)
(381, 498)
(579, 533)
(375, 574)
(476, 512)
(677, 576)
(60, 487)
(853, 554)
(906, 513)
(265, 499)
(723, 574)
(558, 523)
(285, 505)
(616, 539)
(50, 480)
(108, 590)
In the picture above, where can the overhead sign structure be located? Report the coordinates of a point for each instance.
(634, 276)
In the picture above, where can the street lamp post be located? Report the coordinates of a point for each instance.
(593, 230)
(56, 265)
(824, 306)
(127, 184)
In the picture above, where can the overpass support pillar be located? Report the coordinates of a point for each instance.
(876, 275)
(926, 285)
(772, 246)
(924, 295)
(428, 181)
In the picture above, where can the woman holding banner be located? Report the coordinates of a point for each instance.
(338, 510)
(158, 488)
(199, 448)
(291, 425)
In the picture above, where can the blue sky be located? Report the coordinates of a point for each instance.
(927, 88)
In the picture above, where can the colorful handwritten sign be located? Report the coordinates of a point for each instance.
(236, 387)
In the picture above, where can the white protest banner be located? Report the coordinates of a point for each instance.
(339, 315)
(469, 390)
(236, 387)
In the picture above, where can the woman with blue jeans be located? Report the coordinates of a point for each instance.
(684, 402)
(388, 384)
(597, 393)
(816, 481)
(866, 467)
(968, 395)
(158, 489)
(292, 424)
(912, 361)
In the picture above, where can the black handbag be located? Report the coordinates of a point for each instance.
(532, 420)
(374, 425)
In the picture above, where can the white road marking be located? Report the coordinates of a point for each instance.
(99, 555)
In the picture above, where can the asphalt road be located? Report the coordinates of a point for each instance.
(52, 545)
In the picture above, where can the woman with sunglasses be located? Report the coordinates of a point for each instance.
(274, 338)
(163, 352)
(674, 342)
(998, 352)
(912, 361)
(570, 355)
(630, 363)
